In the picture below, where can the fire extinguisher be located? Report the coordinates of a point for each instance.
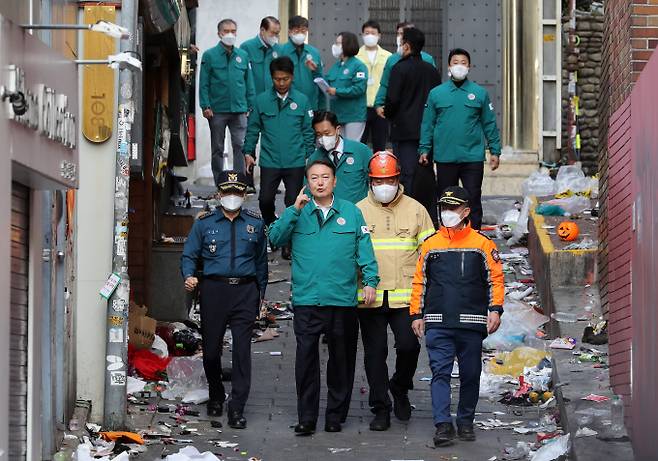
(191, 138)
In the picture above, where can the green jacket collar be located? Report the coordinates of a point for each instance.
(466, 86)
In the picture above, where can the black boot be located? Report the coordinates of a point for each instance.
(466, 433)
(401, 404)
(305, 428)
(444, 435)
(215, 408)
(381, 421)
(236, 420)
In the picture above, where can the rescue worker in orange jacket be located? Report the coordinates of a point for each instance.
(456, 300)
(398, 225)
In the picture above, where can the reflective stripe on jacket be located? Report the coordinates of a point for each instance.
(396, 231)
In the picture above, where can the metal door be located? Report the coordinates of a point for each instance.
(18, 329)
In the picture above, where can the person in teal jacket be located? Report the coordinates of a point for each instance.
(226, 94)
(307, 60)
(457, 120)
(261, 50)
(282, 117)
(351, 158)
(332, 256)
(348, 83)
(390, 62)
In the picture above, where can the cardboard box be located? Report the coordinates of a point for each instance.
(141, 328)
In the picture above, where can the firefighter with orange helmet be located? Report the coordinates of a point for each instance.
(398, 225)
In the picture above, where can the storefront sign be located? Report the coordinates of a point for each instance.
(47, 111)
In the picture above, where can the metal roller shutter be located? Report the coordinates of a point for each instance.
(18, 329)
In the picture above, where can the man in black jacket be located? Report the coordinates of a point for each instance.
(410, 82)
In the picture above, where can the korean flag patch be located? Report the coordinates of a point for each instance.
(360, 75)
(365, 230)
(491, 107)
(310, 113)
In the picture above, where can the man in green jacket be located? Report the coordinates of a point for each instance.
(282, 117)
(226, 93)
(307, 60)
(332, 252)
(261, 50)
(458, 117)
(350, 158)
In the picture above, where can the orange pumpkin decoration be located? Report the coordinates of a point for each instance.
(568, 231)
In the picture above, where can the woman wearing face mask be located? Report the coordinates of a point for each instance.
(307, 60)
(458, 117)
(348, 81)
(349, 157)
(456, 300)
(398, 225)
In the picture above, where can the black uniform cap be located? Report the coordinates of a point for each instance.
(454, 196)
(232, 180)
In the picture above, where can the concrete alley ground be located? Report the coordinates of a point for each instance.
(271, 412)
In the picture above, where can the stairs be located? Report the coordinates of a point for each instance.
(513, 170)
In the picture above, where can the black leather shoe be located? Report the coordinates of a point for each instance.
(286, 253)
(305, 428)
(401, 405)
(381, 421)
(332, 426)
(466, 433)
(444, 435)
(236, 420)
(215, 408)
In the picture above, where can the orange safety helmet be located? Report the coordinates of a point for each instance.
(383, 165)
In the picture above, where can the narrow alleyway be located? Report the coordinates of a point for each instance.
(271, 412)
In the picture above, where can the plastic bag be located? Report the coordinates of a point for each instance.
(515, 362)
(572, 205)
(518, 321)
(552, 450)
(185, 374)
(539, 184)
(571, 178)
(490, 385)
(521, 227)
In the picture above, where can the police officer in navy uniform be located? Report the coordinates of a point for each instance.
(231, 244)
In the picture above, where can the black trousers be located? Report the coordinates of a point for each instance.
(470, 174)
(374, 334)
(376, 130)
(235, 305)
(270, 178)
(424, 189)
(407, 154)
(341, 327)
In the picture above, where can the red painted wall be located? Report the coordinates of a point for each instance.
(644, 257)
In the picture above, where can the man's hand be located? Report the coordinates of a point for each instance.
(207, 113)
(493, 322)
(380, 111)
(331, 91)
(311, 65)
(424, 159)
(302, 199)
(191, 283)
(494, 162)
(418, 326)
(249, 162)
(369, 295)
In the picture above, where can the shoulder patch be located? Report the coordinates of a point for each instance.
(365, 230)
(360, 75)
(495, 255)
(484, 235)
(252, 213)
(205, 215)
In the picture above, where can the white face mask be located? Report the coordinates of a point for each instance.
(450, 218)
(271, 40)
(336, 50)
(231, 202)
(329, 142)
(398, 41)
(298, 39)
(228, 39)
(458, 72)
(370, 40)
(384, 193)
